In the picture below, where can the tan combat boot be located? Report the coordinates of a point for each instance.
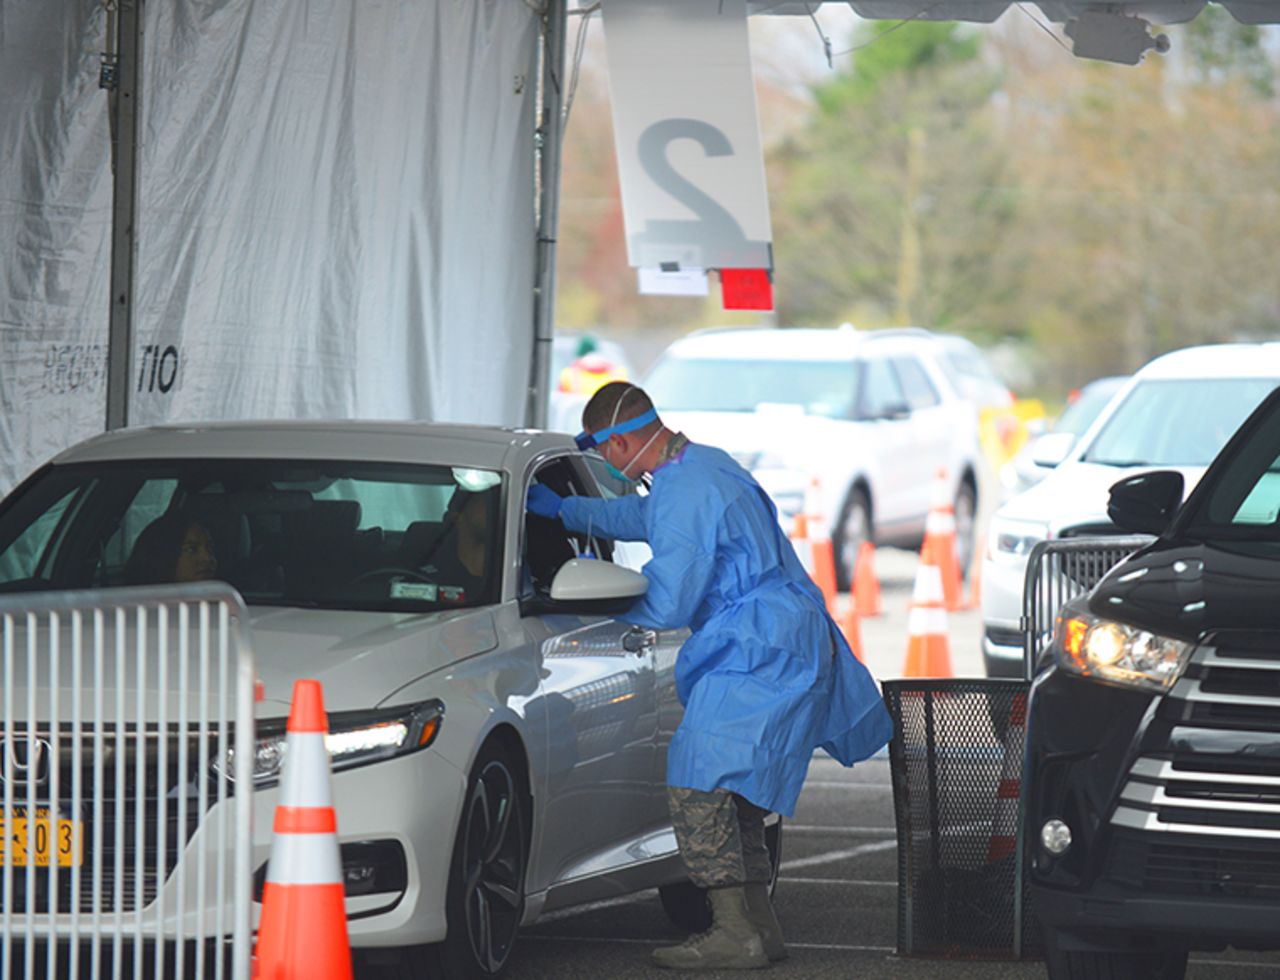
(732, 942)
(760, 910)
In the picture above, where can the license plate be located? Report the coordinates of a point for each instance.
(39, 841)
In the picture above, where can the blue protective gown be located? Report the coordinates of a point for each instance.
(766, 675)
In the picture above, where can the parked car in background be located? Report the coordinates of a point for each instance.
(1153, 732)
(964, 363)
(1043, 452)
(1176, 412)
(873, 416)
(475, 713)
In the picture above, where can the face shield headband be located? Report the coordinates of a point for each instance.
(590, 440)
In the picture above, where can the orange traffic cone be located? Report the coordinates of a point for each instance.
(852, 628)
(928, 648)
(799, 538)
(823, 572)
(866, 587)
(1004, 824)
(302, 934)
(939, 547)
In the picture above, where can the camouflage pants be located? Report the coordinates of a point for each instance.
(721, 837)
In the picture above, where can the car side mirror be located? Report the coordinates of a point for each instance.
(590, 580)
(1052, 448)
(588, 585)
(895, 411)
(1147, 502)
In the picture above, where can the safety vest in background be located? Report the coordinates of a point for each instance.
(588, 373)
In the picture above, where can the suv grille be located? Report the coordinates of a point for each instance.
(1194, 866)
(1228, 700)
(1103, 529)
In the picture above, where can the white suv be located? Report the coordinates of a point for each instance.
(1175, 413)
(872, 414)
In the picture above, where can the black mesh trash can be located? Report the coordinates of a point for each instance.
(956, 758)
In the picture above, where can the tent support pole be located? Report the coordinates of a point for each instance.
(123, 109)
(550, 137)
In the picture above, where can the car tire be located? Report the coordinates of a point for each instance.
(965, 508)
(485, 899)
(1070, 964)
(686, 904)
(853, 528)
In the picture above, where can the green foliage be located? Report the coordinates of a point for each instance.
(883, 225)
(887, 51)
(1103, 213)
(1222, 48)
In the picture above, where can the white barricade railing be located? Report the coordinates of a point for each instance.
(125, 846)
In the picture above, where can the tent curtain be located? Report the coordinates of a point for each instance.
(335, 215)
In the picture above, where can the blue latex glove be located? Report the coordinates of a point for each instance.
(544, 501)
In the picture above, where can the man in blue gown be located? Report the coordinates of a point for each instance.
(765, 677)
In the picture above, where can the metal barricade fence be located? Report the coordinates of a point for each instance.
(1057, 572)
(125, 848)
(956, 757)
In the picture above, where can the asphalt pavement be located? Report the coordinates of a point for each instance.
(837, 890)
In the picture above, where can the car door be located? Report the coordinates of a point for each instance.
(664, 650)
(930, 430)
(598, 702)
(885, 417)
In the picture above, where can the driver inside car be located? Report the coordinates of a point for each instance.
(172, 548)
(458, 559)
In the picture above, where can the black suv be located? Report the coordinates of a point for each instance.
(1153, 737)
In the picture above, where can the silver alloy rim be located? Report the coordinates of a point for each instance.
(493, 866)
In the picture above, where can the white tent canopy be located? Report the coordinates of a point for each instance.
(335, 214)
(335, 206)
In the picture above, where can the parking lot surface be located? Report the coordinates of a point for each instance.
(837, 891)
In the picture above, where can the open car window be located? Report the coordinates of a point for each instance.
(335, 535)
(547, 545)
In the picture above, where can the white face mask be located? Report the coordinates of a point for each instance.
(621, 474)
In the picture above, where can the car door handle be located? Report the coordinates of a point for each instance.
(638, 639)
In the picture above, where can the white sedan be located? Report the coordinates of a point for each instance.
(1177, 412)
(395, 562)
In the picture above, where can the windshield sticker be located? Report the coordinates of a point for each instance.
(452, 593)
(423, 591)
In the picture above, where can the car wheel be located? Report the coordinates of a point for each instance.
(1070, 964)
(853, 528)
(966, 513)
(486, 878)
(686, 904)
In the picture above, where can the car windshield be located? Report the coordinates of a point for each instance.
(973, 376)
(321, 535)
(687, 384)
(1181, 422)
(1241, 497)
(1079, 415)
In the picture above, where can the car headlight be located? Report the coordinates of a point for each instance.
(355, 738)
(1015, 539)
(1116, 652)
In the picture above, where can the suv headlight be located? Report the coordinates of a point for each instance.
(1015, 539)
(1118, 653)
(356, 738)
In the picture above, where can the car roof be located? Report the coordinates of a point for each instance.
(491, 447)
(792, 343)
(1244, 360)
